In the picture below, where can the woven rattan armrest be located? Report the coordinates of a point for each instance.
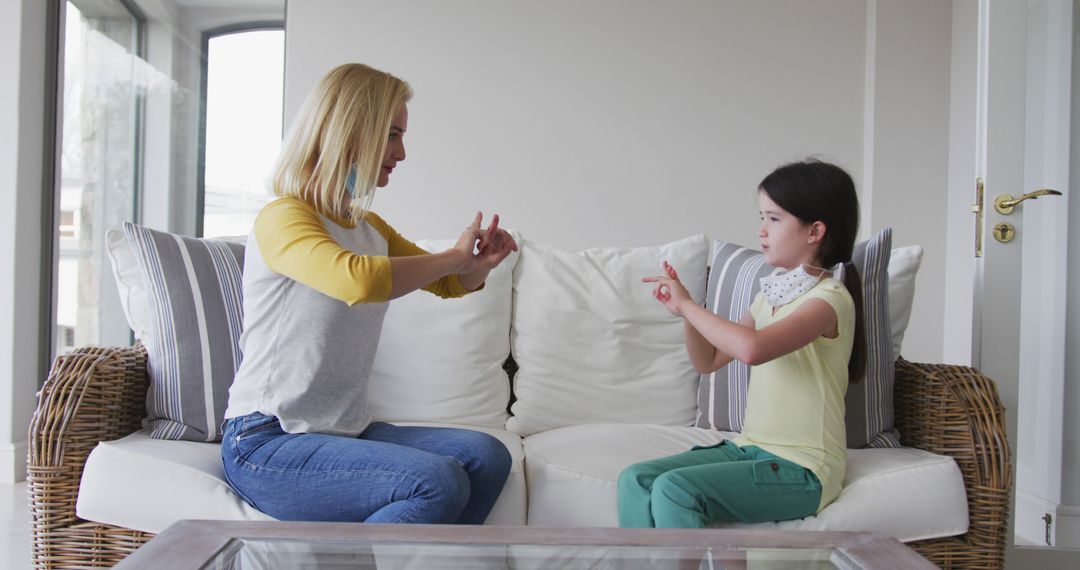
(956, 411)
(91, 395)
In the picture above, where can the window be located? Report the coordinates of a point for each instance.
(243, 106)
(98, 165)
(140, 134)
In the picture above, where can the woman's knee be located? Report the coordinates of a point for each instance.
(446, 483)
(447, 475)
(496, 454)
(489, 453)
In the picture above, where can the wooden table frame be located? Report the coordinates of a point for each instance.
(190, 543)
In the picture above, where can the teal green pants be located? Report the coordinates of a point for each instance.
(723, 482)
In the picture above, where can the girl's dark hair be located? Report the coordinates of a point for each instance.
(816, 191)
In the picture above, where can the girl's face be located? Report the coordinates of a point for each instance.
(786, 240)
(395, 146)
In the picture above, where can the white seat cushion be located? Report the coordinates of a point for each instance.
(907, 493)
(147, 484)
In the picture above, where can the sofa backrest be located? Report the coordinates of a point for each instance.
(590, 342)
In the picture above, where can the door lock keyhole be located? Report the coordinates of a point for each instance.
(1004, 232)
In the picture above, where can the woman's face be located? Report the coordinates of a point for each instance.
(395, 146)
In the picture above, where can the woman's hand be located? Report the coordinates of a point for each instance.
(669, 290)
(466, 245)
(495, 244)
(481, 251)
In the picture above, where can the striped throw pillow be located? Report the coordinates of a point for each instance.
(195, 302)
(734, 281)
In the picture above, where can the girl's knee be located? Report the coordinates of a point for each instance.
(638, 476)
(672, 487)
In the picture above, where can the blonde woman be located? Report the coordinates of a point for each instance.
(319, 270)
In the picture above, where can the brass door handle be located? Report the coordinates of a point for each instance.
(1005, 204)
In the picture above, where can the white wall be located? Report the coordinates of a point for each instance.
(960, 222)
(22, 47)
(602, 123)
(629, 122)
(910, 129)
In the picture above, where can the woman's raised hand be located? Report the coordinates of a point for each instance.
(483, 248)
(669, 290)
(466, 245)
(495, 244)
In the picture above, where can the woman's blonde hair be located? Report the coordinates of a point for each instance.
(344, 122)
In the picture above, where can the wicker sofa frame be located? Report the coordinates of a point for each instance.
(98, 394)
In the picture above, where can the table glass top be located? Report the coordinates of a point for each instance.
(248, 554)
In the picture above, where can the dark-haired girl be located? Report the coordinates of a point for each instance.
(802, 338)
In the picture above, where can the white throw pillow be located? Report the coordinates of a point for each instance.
(903, 265)
(441, 360)
(593, 345)
(129, 282)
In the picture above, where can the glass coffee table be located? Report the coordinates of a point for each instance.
(232, 545)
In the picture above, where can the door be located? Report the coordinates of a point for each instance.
(1025, 62)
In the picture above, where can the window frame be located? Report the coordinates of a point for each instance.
(55, 52)
(204, 64)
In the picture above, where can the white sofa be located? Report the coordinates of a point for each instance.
(601, 380)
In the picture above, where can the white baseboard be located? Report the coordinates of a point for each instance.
(1067, 526)
(1029, 523)
(13, 462)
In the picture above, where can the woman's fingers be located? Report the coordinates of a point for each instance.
(474, 227)
(487, 235)
(497, 242)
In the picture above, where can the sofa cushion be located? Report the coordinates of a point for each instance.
(129, 279)
(441, 360)
(194, 299)
(593, 345)
(734, 282)
(147, 484)
(903, 492)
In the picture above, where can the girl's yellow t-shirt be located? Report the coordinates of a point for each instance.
(795, 403)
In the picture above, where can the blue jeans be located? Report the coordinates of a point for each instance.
(388, 474)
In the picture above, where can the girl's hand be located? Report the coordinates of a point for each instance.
(495, 244)
(669, 290)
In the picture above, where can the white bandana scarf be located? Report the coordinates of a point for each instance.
(782, 287)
